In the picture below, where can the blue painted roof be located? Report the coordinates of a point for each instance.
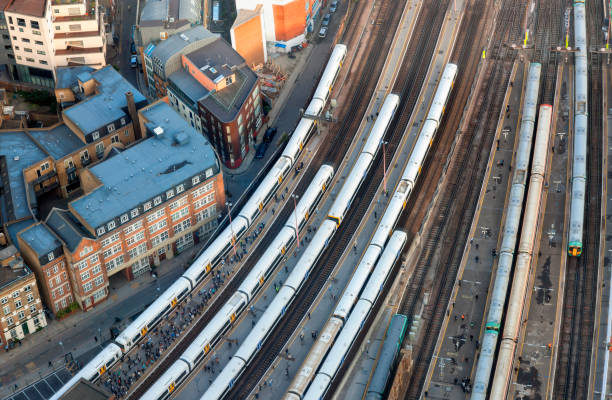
(146, 169)
(63, 223)
(20, 152)
(66, 77)
(15, 228)
(105, 107)
(59, 141)
(40, 239)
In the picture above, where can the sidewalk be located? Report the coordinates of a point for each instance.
(26, 363)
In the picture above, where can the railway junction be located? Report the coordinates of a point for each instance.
(473, 329)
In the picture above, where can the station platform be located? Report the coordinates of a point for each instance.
(535, 359)
(457, 347)
(603, 370)
(272, 386)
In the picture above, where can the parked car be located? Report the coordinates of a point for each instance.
(333, 7)
(269, 135)
(261, 150)
(133, 62)
(326, 19)
(323, 32)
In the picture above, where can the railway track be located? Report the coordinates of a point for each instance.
(577, 333)
(548, 34)
(448, 235)
(334, 151)
(411, 75)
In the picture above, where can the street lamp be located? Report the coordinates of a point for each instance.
(63, 350)
(384, 144)
(229, 211)
(297, 228)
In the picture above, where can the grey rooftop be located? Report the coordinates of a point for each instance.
(40, 238)
(107, 105)
(177, 42)
(63, 223)
(147, 169)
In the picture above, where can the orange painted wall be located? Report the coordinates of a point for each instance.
(289, 20)
(196, 73)
(249, 41)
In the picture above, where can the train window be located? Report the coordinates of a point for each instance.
(136, 338)
(181, 377)
(199, 357)
(108, 364)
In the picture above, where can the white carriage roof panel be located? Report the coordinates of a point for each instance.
(229, 373)
(352, 182)
(318, 388)
(310, 255)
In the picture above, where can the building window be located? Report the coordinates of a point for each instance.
(21, 315)
(87, 287)
(99, 280)
(27, 289)
(32, 309)
(81, 265)
(99, 295)
(16, 294)
(38, 42)
(30, 298)
(34, 25)
(85, 275)
(42, 53)
(29, 59)
(147, 206)
(43, 62)
(4, 300)
(9, 322)
(115, 139)
(50, 256)
(100, 149)
(44, 166)
(209, 172)
(58, 280)
(55, 269)
(60, 291)
(26, 40)
(111, 225)
(95, 135)
(180, 188)
(100, 231)
(134, 213)
(110, 128)
(195, 180)
(94, 259)
(122, 121)
(85, 155)
(96, 270)
(170, 194)
(57, 27)
(37, 33)
(124, 218)
(18, 303)
(7, 310)
(157, 201)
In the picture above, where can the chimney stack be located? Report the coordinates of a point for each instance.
(129, 97)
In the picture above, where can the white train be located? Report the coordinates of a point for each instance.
(581, 124)
(513, 218)
(516, 302)
(268, 320)
(223, 320)
(219, 248)
(352, 326)
(326, 339)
